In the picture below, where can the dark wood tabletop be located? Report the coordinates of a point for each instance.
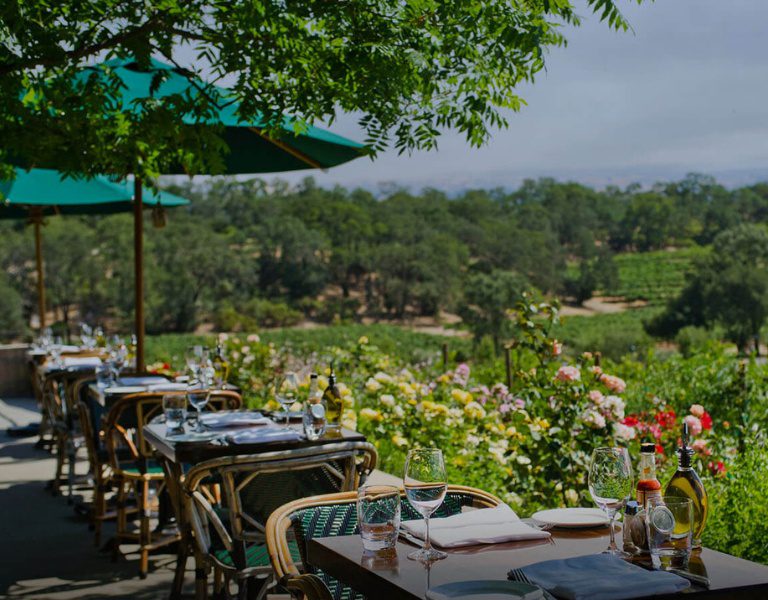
(195, 452)
(398, 577)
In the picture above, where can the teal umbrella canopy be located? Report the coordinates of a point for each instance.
(45, 191)
(301, 146)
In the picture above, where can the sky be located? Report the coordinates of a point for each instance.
(686, 91)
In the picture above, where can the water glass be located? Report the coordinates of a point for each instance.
(378, 516)
(198, 393)
(175, 409)
(425, 483)
(104, 375)
(669, 526)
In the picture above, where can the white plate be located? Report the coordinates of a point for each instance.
(501, 589)
(125, 389)
(572, 518)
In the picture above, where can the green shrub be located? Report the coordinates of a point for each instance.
(12, 324)
(691, 340)
(738, 522)
(255, 314)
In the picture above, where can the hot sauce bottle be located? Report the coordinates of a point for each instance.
(648, 486)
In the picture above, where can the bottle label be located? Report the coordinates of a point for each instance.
(644, 495)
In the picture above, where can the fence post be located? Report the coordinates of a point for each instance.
(508, 364)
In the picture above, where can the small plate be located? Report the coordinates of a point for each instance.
(572, 518)
(501, 589)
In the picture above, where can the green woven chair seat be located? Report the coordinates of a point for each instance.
(152, 469)
(341, 519)
(256, 555)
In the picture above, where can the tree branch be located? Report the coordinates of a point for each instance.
(84, 51)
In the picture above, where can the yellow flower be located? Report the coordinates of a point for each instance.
(363, 340)
(399, 440)
(348, 401)
(444, 378)
(543, 424)
(474, 410)
(371, 414)
(349, 420)
(459, 461)
(461, 396)
(343, 390)
(372, 385)
(322, 382)
(406, 389)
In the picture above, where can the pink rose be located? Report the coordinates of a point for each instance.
(596, 396)
(597, 371)
(694, 424)
(568, 373)
(557, 348)
(700, 446)
(615, 384)
(697, 410)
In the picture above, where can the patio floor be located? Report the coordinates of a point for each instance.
(47, 550)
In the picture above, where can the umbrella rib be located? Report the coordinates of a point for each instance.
(289, 149)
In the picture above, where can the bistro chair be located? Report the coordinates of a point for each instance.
(229, 531)
(132, 464)
(291, 527)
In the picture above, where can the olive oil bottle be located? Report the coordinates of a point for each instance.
(685, 483)
(334, 406)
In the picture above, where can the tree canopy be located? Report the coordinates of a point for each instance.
(409, 69)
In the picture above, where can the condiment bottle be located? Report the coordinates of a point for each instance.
(648, 486)
(685, 483)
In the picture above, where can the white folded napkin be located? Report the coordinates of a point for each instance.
(166, 386)
(259, 435)
(485, 526)
(76, 361)
(235, 419)
(601, 577)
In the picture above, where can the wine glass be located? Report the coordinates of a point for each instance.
(198, 394)
(287, 392)
(425, 486)
(194, 356)
(610, 484)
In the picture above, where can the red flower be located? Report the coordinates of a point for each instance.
(630, 421)
(659, 449)
(717, 468)
(706, 421)
(666, 419)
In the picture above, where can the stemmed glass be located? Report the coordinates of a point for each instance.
(287, 392)
(194, 356)
(425, 485)
(198, 394)
(610, 484)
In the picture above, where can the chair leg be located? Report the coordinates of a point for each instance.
(121, 521)
(144, 532)
(99, 504)
(61, 451)
(71, 459)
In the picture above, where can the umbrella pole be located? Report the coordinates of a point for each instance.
(138, 255)
(37, 222)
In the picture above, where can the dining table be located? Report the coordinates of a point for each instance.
(383, 577)
(175, 453)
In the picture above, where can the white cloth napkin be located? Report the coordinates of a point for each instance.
(601, 577)
(485, 526)
(76, 361)
(259, 435)
(235, 419)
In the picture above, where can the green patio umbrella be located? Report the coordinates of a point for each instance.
(251, 151)
(37, 193)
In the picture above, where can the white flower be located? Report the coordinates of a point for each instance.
(382, 377)
(372, 385)
(624, 432)
(387, 400)
(398, 411)
(593, 418)
(245, 349)
(253, 338)
(572, 496)
(614, 405)
(498, 450)
(249, 359)
(523, 460)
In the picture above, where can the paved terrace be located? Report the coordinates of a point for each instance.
(47, 550)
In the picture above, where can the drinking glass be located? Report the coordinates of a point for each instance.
(287, 392)
(610, 484)
(669, 526)
(193, 356)
(378, 516)
(175, 409)
(425, 485)
(198, 393)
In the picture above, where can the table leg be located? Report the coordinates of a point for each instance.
(173, 478)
